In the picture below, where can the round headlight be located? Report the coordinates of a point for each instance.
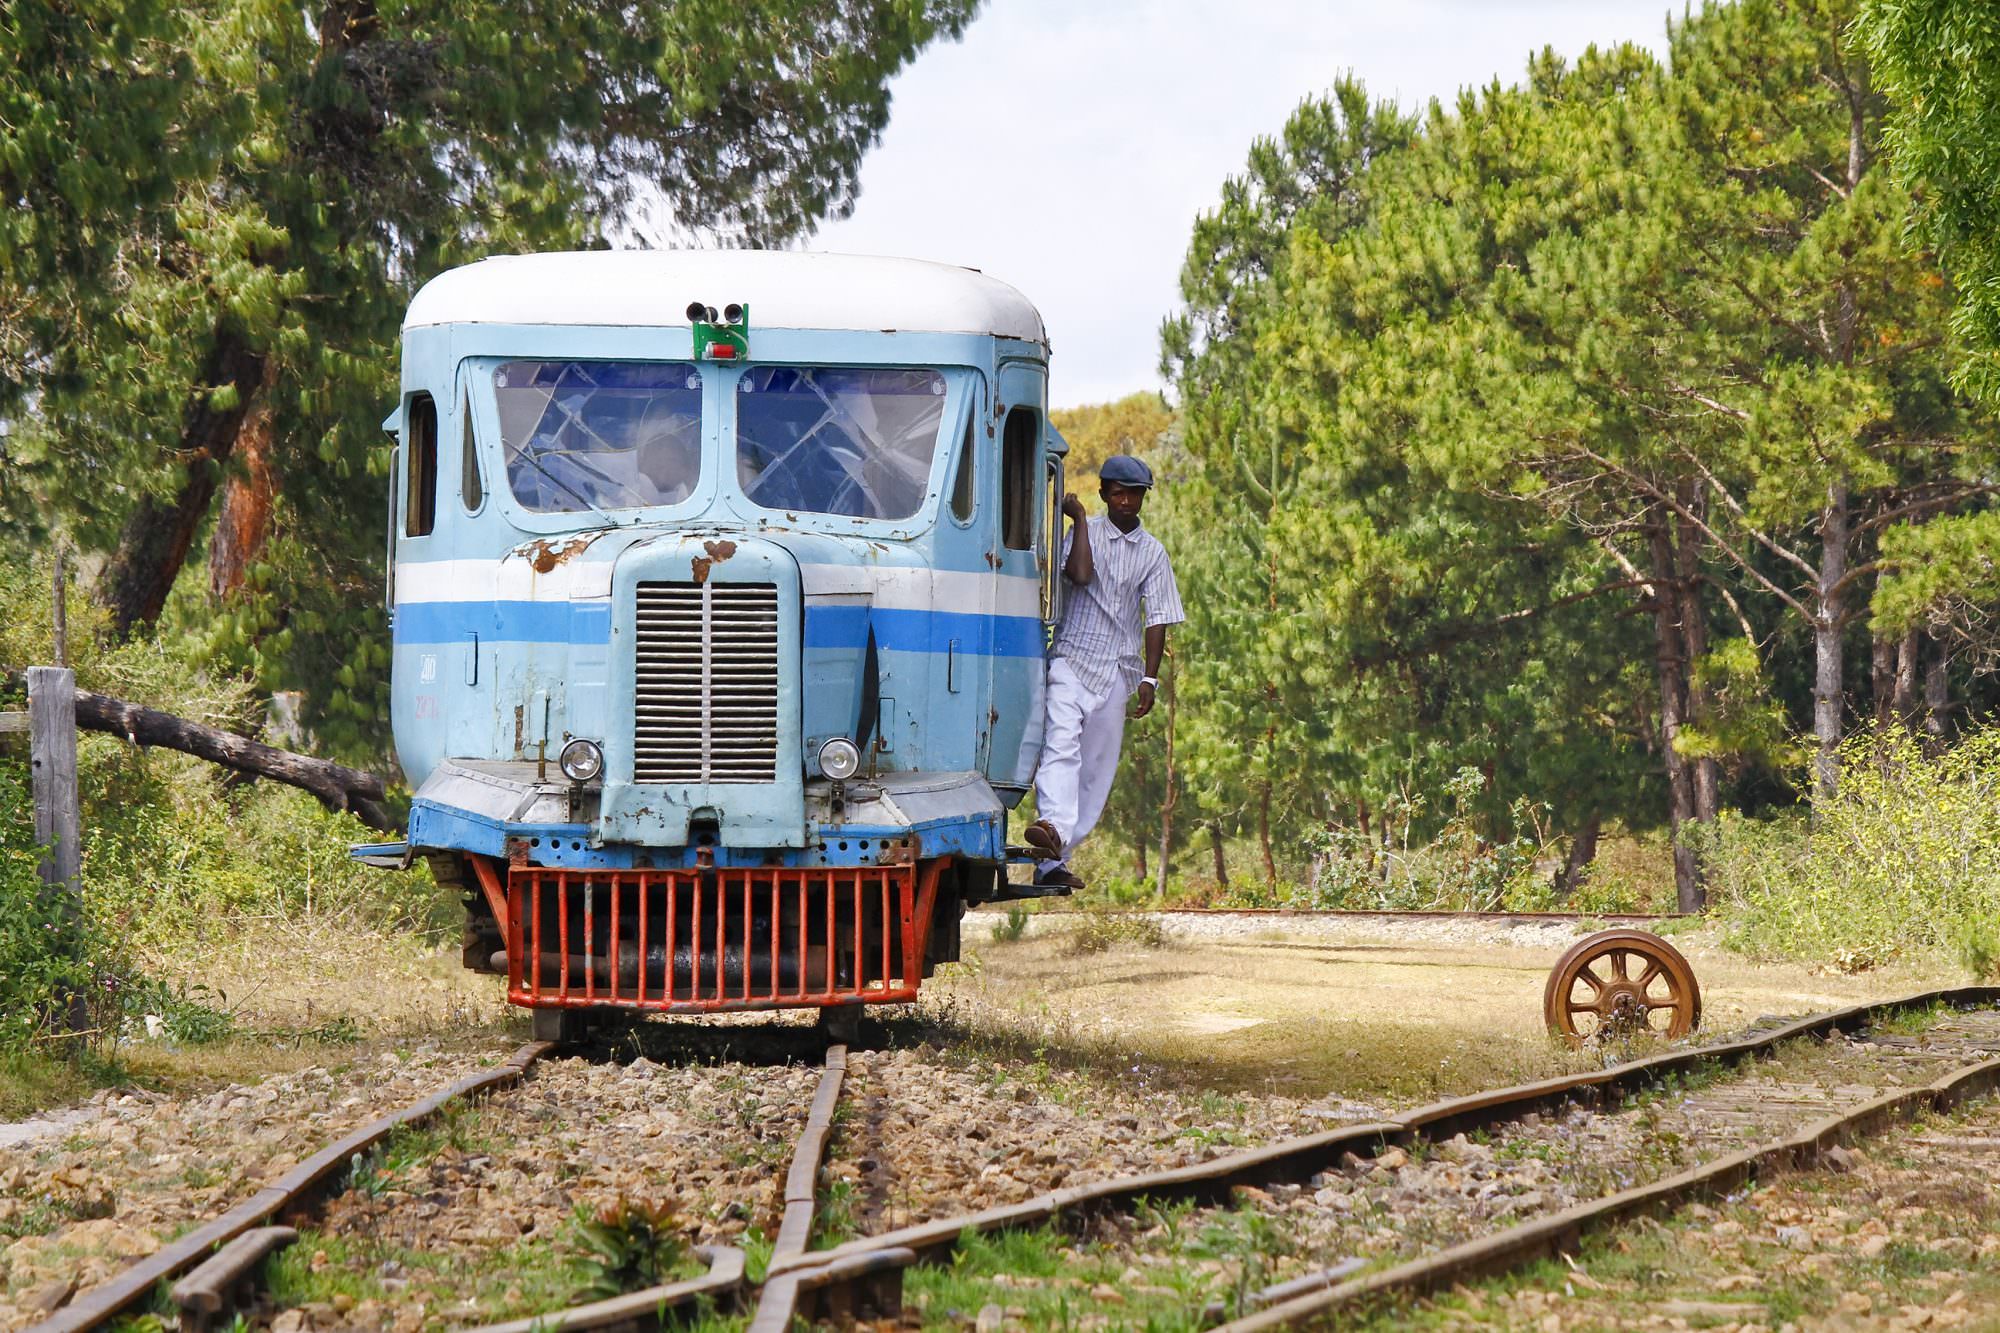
(839, 759)
(581, 760)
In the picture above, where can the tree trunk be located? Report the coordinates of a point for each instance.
(1669, 660)
(244, 522)
(1882, 679)
(1905, 704)
(1827, 664)
(1221, 864)
(1264, 834)
(158, 535)
(1694, 643)
(1582, 851)
(1937, 701)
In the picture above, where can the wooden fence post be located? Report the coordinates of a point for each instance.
(58, 820)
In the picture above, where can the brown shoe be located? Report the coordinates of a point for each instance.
(1042, 836)
(1058, 879)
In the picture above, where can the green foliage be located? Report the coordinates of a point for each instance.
(1012, 926)
(1940, 60)
(209, 245)
(1132, 425)
(1904, 860)
(1097, 931)
(192, 1015)
(1466, 866)
(629, 1244)
(1742, 725)
(1550, 438)
(171, 857)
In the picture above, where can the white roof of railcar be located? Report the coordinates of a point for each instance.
(784, 289)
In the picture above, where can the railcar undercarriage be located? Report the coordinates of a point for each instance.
(707, 939)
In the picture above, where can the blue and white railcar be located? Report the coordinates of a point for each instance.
(721, 585)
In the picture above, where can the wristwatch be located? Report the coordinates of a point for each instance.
(1154, 681)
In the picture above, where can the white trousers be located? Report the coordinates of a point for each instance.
(1079, 757)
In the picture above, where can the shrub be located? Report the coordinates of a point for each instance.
(1011, 928)
(1903, 860)
(1097, 931)
(1464, 867)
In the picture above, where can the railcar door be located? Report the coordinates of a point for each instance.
(1023, 560)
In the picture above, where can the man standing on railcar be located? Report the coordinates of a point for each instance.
(1119, 580)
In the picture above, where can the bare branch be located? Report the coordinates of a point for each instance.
(1735, 507)
(1631, 570)
(1822, 178)
(1742, 621)
(1707, 402)
(1648, 488)
(1888, 516)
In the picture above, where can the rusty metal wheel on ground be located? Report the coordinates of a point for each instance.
(1618, 984)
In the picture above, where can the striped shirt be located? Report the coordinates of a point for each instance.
(1102, 620)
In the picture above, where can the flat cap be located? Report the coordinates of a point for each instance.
(1125, 470)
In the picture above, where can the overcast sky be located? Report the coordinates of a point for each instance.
(1067, 147)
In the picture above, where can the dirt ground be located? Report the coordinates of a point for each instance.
(1371, 1008)
(1078, 1044)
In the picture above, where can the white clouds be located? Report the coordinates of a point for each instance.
(1067, 147)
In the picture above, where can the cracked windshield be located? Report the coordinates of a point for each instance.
(599, 434)
(853, 442)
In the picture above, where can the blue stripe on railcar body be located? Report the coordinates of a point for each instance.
(589, 623)
(913, 631)
(504, 622)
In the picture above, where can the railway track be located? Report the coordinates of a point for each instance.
(347, 1192)
(1348, 1216)
(1355, 914)
(1792, 1103)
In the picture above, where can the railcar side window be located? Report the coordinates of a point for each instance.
(827, 440)
(964, 494)
(470, 486)
(599, 434)
(1018, 478)
(420, 447)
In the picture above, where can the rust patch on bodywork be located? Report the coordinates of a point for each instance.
(545, 553)
(717, 553)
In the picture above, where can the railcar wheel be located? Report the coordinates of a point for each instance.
(569, 1026)
(841, 1023)
(1621, 983)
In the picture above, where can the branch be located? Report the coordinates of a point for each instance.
(1458, 634)
(1821, 177)
(1888, 516)
(1631, 570)
(337, 786)
(1731, 503)
(1708, 402)
(1742, 621)
(1699, 524)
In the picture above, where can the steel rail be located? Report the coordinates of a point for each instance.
(135, 1284)
(1299, 1159)
(724, 1282)
(1563, 1232)
(1386, 914)
(778, 1304)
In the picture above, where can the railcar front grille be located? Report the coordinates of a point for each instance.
(706, 703)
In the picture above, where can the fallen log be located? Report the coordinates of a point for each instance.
(337, 786)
